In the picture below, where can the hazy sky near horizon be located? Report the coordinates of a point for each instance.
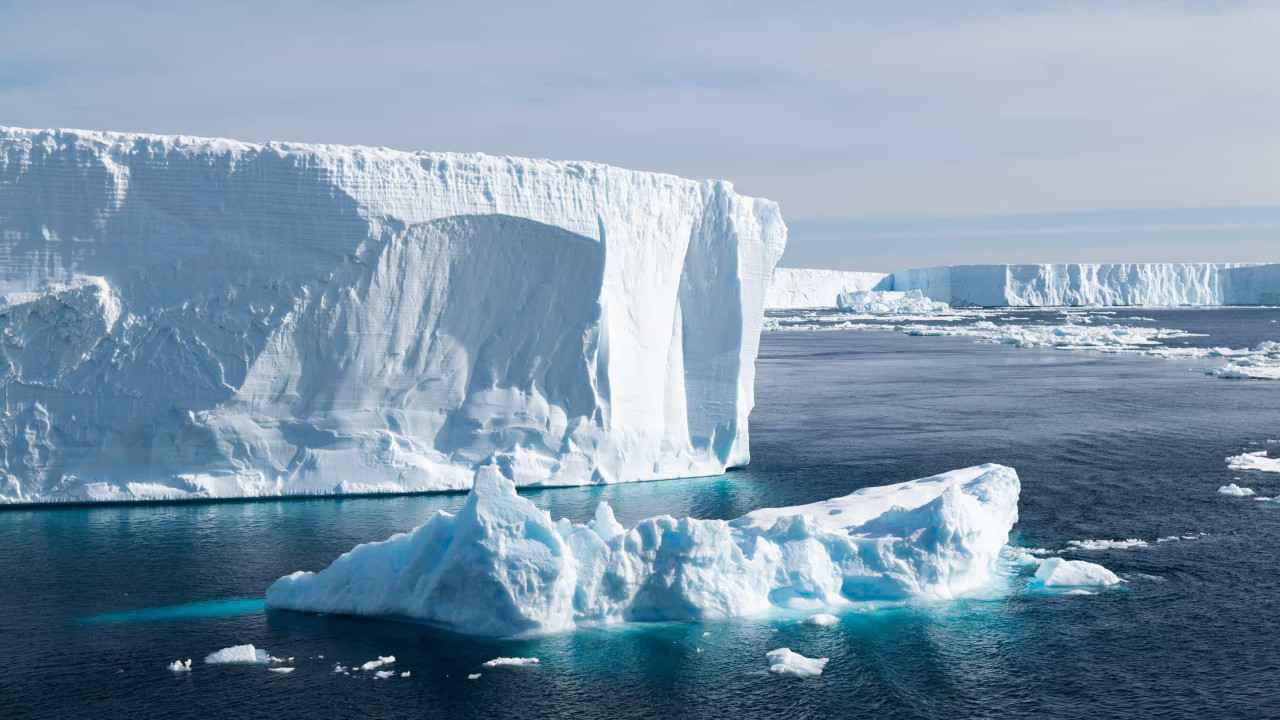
(892, 134)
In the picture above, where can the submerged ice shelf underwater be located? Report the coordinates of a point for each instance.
(502, 567)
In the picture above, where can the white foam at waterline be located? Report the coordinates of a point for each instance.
(792, 664)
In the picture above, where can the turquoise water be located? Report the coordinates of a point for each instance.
(97, 601)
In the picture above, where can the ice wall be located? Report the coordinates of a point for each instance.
(186, 317)
(803, 288)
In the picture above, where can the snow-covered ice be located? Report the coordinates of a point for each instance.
(793, 288)
(1057, 572)
(375, 664)
(180, 666)
(1261, 363)
(509, 662)
(501, 566)
(889, 302)
(1254, 461)
(1107, 544)
(821, 620)
(1235, 490)
(184, 318)
(238, 655)
(384, 674)
(792, 664)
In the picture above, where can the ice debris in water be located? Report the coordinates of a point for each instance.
(238, 655)
(1235, 490)
(375, 664)
(179, 666)
(1263, 363)
(510, 661)
(501, 567)
(473, 676)
(404, 674)
(1057, 572)
(281, 670)
(384, 674)
(1107, 544)
(887, 301)
(820, 620)
(1254, 461)
(785, 662)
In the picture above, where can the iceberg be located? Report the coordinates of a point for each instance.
(1235, 490)
(509, 662)
(1254, 461)
(502, 567)
(180, 666)
(1056, 572)
(889, 302)
(187, 318)
(821, 620)
(792, 664)
(798, 288)
(238, 655)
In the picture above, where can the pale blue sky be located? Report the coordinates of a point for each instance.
(892, 134)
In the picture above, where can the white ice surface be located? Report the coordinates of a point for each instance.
(821, 620)
(187, 317)
(792, 288)
(1108, 544)
(281, 670)
(1235, 490)
(509, 662)
(180, 666)
(1254, 461)
(792, 664)
(889, 302)
(1057, 572)
(238, 655)
(375, 664)
(500, 566)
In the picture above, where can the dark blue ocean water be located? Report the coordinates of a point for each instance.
(1108, 447)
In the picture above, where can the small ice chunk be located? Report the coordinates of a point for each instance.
(512, 661)
(1056, 572)
(706, 634)
(404, 674)
(179, 666)
(821, 620)
(281, 670)
(237, 655)
(1107, 544)
(473, 676)
(384, 674)
(1235, 490)
(784, 662)
(375, 664)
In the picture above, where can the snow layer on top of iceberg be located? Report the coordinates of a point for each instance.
(1077, 284)
(189, 318)
(792, 288)
(501, 566)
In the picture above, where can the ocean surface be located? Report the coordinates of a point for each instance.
(95, 602)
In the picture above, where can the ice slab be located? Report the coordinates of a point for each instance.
(238, 655)
(1056, 572)
(792, 664)
(501, 566)
(1254, 461)
(1235, 490)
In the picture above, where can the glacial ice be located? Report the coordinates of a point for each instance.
(1262, 363)
(192, 318)
(888, 302)
(509, 662)
(501, 567)
(1107, 544)
(473, 676)
(794, 288)
(1057, 572)
(179, 666)
(238, 655)
(792, 664)
(375, 664)
(821, 620)
(1235, 490)
(1254, 461)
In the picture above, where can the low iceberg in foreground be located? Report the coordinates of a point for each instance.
(785, 662)
(502, 567)
(1235, 490)
(1058, 573)
(238, 655)
(1254, 461)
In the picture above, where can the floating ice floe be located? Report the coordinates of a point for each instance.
(1262, 363)
(1107, 544)
(238, 655)
(792, 664)
(501, 567)
(1235, 490)
(1254, 461)
(510, 662)
(180, 666)
(1058, 573)
(889, 302)
(375, 664)
(473, 676)
(820, 620)
(281, 670)
(384, 674)
(404, 674)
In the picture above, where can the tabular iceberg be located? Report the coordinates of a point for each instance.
(793, 288)
(185, 318)
(501, 566)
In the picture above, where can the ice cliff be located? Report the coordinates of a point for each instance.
(792, 288)
(501, 566)
(187, 318)
(1076, 284)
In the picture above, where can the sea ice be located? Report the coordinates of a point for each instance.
(179, 666)
(281, 670)
(1262, 363)
(509, 661)
(375, 664)
(1235, 490)
(500, 566)
(1107, 544)
(1254, 461)
(889, 302)
(785, 662)
(1057, 572)
(238, 655)
(821, 620)
(384, 674)
(473, 676)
